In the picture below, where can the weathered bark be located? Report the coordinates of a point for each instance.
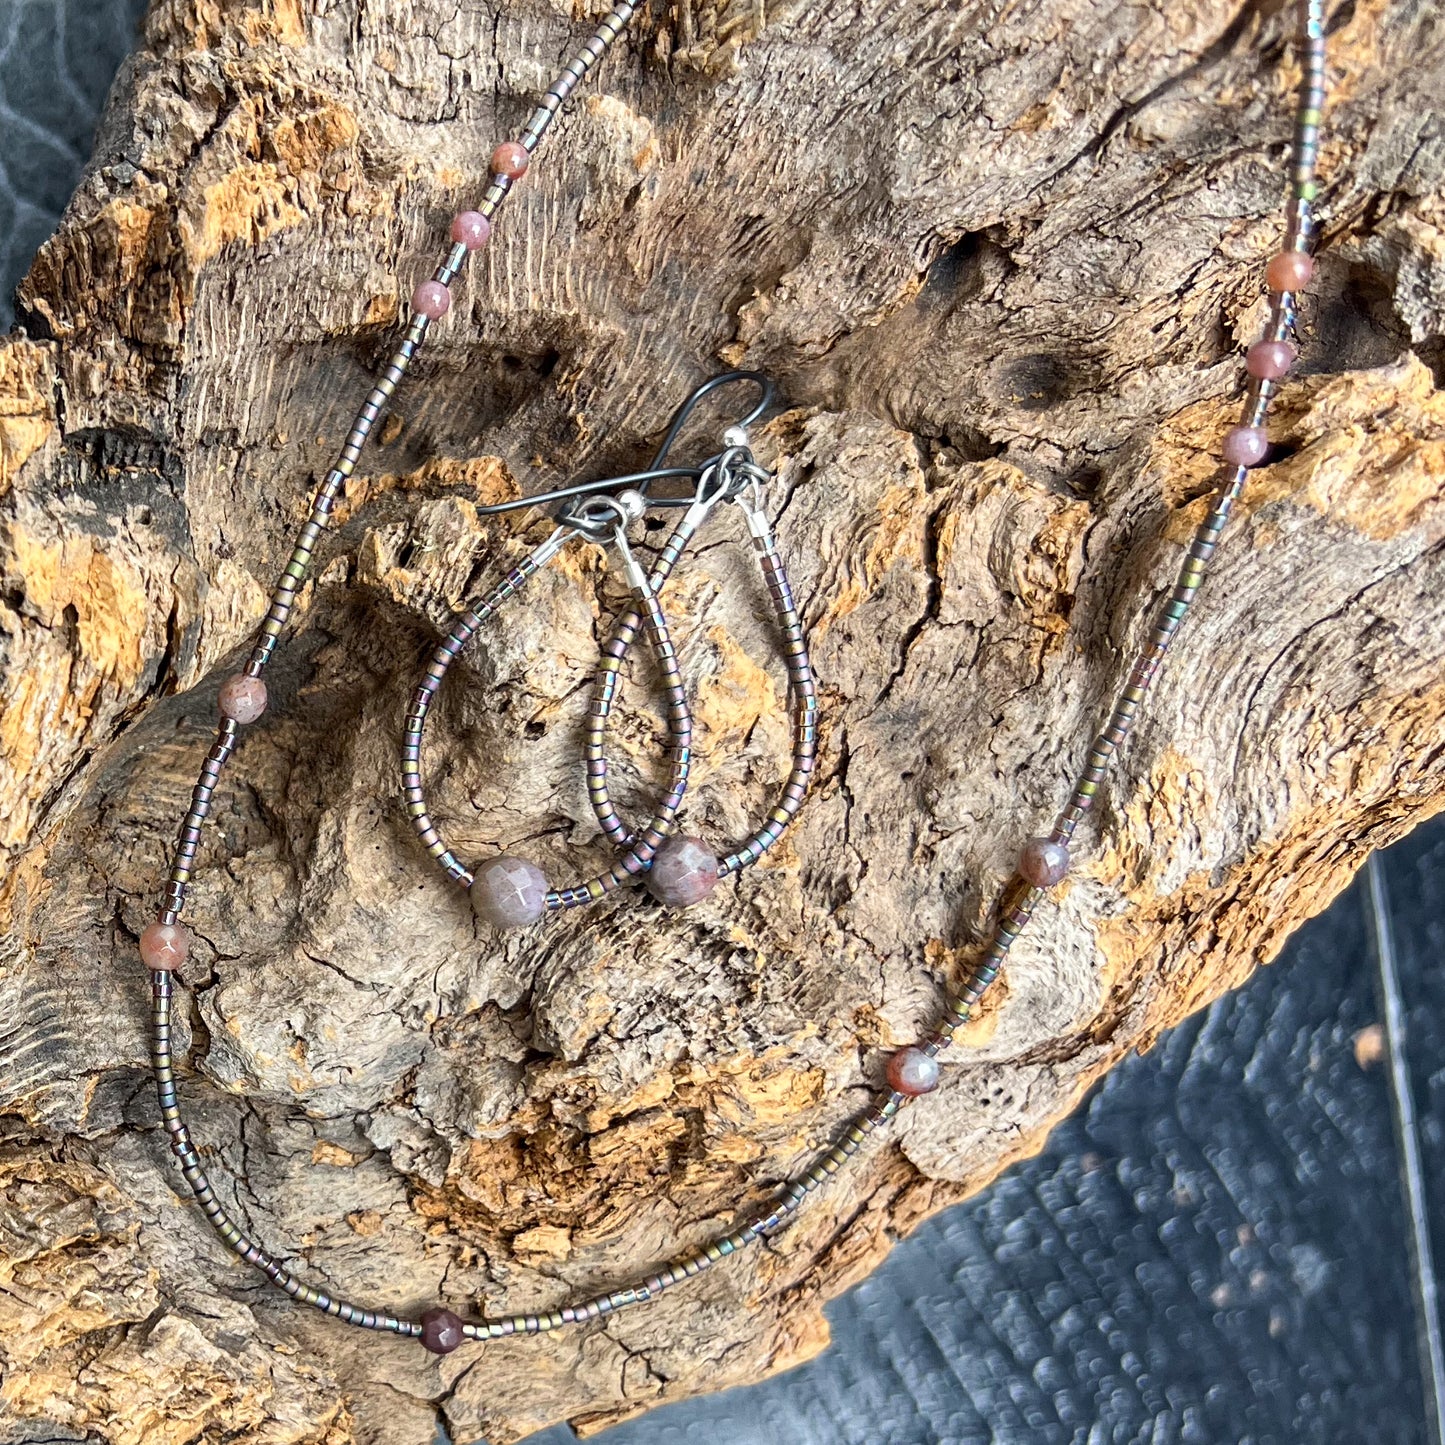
(1001, 261)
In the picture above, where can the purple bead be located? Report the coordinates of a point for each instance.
(242, 698)
(164, 946)
(1269, 360)
(683, 872)
(1043, 862)
(441, 1331)
(912, 1072)
(1245, 446)
(509, 892)
(471, 229)
(431, 299)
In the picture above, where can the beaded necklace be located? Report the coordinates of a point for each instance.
(1043, 861)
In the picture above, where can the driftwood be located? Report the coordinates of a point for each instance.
(1001, 260)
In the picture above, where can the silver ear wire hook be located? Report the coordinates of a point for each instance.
(735, 439)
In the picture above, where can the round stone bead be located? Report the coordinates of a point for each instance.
(471, 229)
(242, 698)
(509, 892)
(683, 872)
(441, 1331)
(1043, 862)
(431, 299)
(1289, 271)
(164, 946)
(511, 159)
(1269, 360)
(1245, 446)
(913, 1072)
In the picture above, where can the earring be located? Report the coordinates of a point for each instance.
(685, 869)
(508, 891)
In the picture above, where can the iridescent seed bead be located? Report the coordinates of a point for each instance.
(471, 229)
(1269, 360)
(1289, 271)
(509, 892)
(912, 1072)
(431, 299)
(1245, 446)
(684, 872)
(164, 946)
(242, 698)
(1043, 862)
(441, 1331)
(510, 159)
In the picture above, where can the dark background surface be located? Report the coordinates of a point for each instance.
(1213, 1251)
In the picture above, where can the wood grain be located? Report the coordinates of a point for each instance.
(1001, 260)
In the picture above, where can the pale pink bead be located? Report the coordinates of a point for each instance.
(1043, 862)
(242, 698)
(912, 1072)
(471, 229)
(164, 946)
(509, 892)
(511, 159)
(1245, 446)
(1269, 360)
(1289, 271)
(431, 299)
(683, 872)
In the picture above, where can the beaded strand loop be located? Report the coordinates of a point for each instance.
(912, 1071)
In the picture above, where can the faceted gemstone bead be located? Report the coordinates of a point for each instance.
(1269, 360)
(164, 946)
(441, 1331)
(471, 229)
(1043, 862)
(1289, 271)
(1245, 446)
(510, 159)
(683, 872)
(509, 892)
(912, 1072)
(431, 299)
(242, 698)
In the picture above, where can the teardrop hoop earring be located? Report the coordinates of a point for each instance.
(685, 869)
(507, 891)
(511, 892)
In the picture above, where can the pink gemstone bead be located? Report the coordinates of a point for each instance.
(1269, 360)
(683, 872)
(1245, 446)
(509, 892)
(511, 159)
(1043, 862)
(431, 299)
(164, 946)
(441, 1331)
(912, 1072)
(471, 229)
(242, 698)
(1289, 271)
